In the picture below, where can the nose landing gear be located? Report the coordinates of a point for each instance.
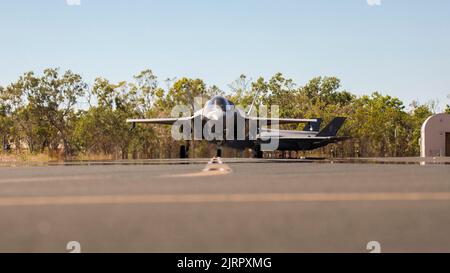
(218, 150)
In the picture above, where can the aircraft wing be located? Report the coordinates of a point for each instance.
(167, 121)
(270, 121)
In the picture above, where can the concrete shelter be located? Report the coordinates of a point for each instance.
(435, 136)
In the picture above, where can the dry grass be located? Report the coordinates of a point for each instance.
(24, 157)
(94, 157)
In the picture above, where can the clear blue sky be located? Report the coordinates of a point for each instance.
(401, 47)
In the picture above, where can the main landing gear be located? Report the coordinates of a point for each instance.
(257, 153)
(184, 150)
(183, 153)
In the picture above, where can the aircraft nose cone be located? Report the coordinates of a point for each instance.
(214, 114)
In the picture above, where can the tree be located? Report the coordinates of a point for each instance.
(240, 91)
(185, 90)
(26, 123)
(55, 99)
(5, 119)
(417, 116)
(103, 127)
(377, 123)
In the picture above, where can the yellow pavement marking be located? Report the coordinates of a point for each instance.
(220, 198)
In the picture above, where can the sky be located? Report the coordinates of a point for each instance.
(396, 47)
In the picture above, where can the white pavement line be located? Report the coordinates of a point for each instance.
(220, 198)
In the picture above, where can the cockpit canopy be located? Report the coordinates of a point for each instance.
(220, 102)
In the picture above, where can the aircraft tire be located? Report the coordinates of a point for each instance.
(257, 153)
(183, 153)
(260, 154)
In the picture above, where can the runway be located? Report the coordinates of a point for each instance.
(256, 206)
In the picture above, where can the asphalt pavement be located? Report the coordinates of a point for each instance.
(249, 206)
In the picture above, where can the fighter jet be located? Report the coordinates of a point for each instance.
(240, 130)
(308, 139)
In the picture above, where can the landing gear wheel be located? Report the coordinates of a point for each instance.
(183, 153)
(257, 153)
(219, 152)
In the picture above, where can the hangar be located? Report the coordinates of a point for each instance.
(435, 136)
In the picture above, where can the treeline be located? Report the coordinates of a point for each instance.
(60, 114)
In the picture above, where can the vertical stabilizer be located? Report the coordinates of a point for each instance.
(332, 128)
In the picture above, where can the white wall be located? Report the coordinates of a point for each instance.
(432, 140)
